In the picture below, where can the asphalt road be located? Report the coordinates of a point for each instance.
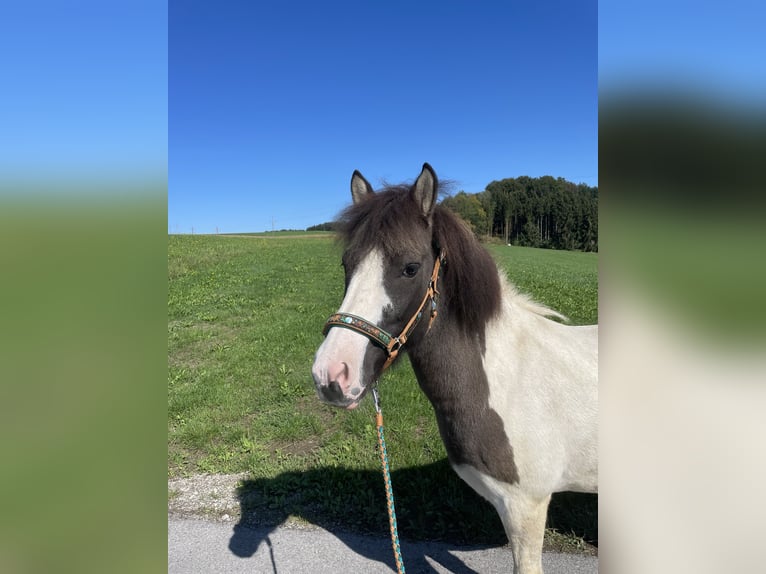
(199, 546)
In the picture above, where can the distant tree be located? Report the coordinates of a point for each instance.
(489, 209)
(470, 208)
(327, 226)
(544, 211)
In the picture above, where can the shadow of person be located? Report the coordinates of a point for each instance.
(432, 504)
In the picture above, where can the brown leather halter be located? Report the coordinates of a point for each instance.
(390, 344)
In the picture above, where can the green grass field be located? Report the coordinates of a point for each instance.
(245, 315)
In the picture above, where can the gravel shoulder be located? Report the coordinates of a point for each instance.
(209, 496)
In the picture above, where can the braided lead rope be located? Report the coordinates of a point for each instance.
(389, 488)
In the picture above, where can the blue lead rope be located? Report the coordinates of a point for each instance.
(389, 488)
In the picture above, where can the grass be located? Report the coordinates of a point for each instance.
(566, 281)
(245, 316)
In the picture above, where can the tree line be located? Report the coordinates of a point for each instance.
(533, 211)
(530, 211)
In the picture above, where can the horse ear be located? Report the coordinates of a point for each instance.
(360, 187)
(425, 190)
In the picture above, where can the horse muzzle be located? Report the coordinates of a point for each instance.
(335, 386)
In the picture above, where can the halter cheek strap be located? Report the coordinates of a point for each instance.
(390, 344)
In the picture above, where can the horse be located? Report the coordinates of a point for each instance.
(514, 392)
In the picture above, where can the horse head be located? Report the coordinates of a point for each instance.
(391, 267)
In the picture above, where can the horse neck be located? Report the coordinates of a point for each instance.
(449, 365)
(448, 360)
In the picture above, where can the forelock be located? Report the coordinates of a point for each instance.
(389, 220)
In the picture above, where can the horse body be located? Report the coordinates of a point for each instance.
(541, 379)
(542, 384)
(514, 392)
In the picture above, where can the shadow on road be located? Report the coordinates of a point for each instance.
(432, 503)
(246, 540)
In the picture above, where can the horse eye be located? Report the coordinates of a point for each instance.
(411, 270)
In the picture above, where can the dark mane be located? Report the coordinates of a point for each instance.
(390, 219)
(470, 284)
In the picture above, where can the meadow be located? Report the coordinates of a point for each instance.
(245, 315)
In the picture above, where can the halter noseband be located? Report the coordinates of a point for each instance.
(390, 344)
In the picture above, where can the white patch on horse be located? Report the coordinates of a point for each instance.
(548, 405)
(366, 297)
(366, 294)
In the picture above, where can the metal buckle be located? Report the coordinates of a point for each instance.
(375, 397)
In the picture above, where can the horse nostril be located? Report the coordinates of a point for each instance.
(332, 381)
(339, 374)
(333, 392)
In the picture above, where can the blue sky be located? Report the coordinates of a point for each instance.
(261, 110)
(272, 105)
(712, 49)
(84, 94)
